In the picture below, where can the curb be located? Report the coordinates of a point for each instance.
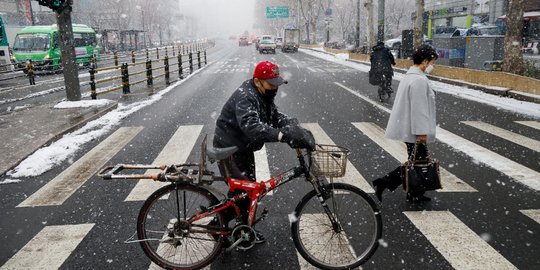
(59, 134)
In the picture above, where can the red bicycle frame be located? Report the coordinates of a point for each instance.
(253, 190)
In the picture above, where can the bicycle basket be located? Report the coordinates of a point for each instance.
(329, 160)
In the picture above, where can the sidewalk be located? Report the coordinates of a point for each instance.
(26, 130)
(500, 91)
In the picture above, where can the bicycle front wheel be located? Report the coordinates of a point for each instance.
(167, 238)
(347, 242)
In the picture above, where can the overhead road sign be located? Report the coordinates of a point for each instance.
(277, 12)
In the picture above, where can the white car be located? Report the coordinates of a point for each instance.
(395, 43)
(267, 45)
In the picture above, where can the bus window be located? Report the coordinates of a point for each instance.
(31, 42)
(84, 39)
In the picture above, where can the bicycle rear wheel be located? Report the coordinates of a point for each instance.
(167, 239)
(344, 245)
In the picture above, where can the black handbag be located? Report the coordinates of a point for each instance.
(374, 77)
(420, 175)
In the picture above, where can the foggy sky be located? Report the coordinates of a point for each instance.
(221, 17)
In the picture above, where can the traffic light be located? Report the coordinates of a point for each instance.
(55, 5)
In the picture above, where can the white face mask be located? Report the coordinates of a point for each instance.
(429, 69)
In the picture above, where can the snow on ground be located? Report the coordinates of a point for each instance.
(83, 103)
(522, 107)
(50, 156)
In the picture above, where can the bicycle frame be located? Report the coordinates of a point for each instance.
(254, 191)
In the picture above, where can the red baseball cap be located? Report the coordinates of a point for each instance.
(269, 72)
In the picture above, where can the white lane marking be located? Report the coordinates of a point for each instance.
(316, 229)
(352, 176)
(532, 124)
(364, 98)
(49, 248)
(398, 150)
(176, 151)
(512, 169)
(290, 58)
(534, 214)
(459, 245)
(66, 183)
(505, 134)
(262, 169)
(311, 69)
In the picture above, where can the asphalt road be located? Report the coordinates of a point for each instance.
(486, 215)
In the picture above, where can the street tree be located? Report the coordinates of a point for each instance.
(311, 10)
(418, 29)
(513, 58)
(397, 16)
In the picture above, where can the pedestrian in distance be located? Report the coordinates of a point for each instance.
(381, 71)
(412, 119)
(248, 120)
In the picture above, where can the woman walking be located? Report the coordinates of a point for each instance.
(412, 119)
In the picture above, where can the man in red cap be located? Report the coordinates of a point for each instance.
(249, 119)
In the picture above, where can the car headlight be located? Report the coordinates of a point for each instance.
(47, 57)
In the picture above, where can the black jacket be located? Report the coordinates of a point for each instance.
(248, 121)
(382, 59)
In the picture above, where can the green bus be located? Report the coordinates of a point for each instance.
(41, 45)
(4, 49)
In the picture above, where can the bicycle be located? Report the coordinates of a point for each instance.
(181, 225)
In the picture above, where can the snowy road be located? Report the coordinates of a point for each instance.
(487, 217)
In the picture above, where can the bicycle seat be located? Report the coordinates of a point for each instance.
(220, 153)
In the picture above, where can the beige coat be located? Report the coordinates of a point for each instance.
(413, 112)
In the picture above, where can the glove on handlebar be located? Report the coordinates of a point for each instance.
(298, 137)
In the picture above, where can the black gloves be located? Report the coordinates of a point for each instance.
(297, 137)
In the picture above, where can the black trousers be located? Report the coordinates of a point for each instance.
(241, 165)
(394, 179)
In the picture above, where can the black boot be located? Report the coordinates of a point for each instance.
(379, 188)
(417, 198)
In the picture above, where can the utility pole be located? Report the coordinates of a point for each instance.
(62, 9)
(70, 68)
(418, 29)
(380, 26)
(371, 24)
(357, 25)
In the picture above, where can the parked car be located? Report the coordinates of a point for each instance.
(460, 32)
(279, 43)
(395, 43)
(243, 41)
(267, 45)
(484, 30)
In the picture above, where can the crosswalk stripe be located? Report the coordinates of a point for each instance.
(262, 169)
(311, 69)
(516, 171)
(505, 134)
(352, 176)
(534, 214)
(176, 151)
(532, 124)
(398, 150)
(502, 164)
(459, 245)
(66, 183)
(49, 248)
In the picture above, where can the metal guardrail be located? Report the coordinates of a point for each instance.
(29, 67)
(125, 76)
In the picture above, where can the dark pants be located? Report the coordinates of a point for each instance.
(241, 165)
(394, 179)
